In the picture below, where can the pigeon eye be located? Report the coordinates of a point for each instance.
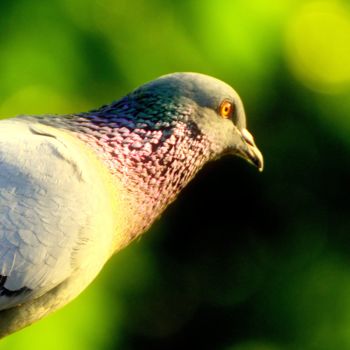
(226, 109)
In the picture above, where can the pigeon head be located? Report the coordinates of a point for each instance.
(205, 103)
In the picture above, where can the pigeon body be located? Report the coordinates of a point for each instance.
(75, 189)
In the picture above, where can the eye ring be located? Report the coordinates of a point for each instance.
(226, 109)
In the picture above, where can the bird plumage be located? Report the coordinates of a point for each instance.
(75, 189)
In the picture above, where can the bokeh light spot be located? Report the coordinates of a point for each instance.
(318, 46)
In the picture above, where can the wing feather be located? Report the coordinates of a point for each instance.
(40, 194)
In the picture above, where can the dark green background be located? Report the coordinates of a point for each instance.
(242, 260)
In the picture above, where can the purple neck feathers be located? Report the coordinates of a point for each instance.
(153, 164)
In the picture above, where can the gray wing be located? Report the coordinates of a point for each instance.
(43, 213)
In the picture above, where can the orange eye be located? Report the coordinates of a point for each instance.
(226, 109)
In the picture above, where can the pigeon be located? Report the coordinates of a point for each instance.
(75, 189)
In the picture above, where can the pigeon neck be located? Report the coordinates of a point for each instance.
(152, 164)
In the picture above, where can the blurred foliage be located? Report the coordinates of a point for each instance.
(241, 261)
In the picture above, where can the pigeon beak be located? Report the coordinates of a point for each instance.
(249, 151)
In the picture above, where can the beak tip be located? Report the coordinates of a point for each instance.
(256, 158)
(259, 163)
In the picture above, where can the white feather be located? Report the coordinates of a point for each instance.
(56, 211)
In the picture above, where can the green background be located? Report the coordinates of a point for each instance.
(242, 260)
